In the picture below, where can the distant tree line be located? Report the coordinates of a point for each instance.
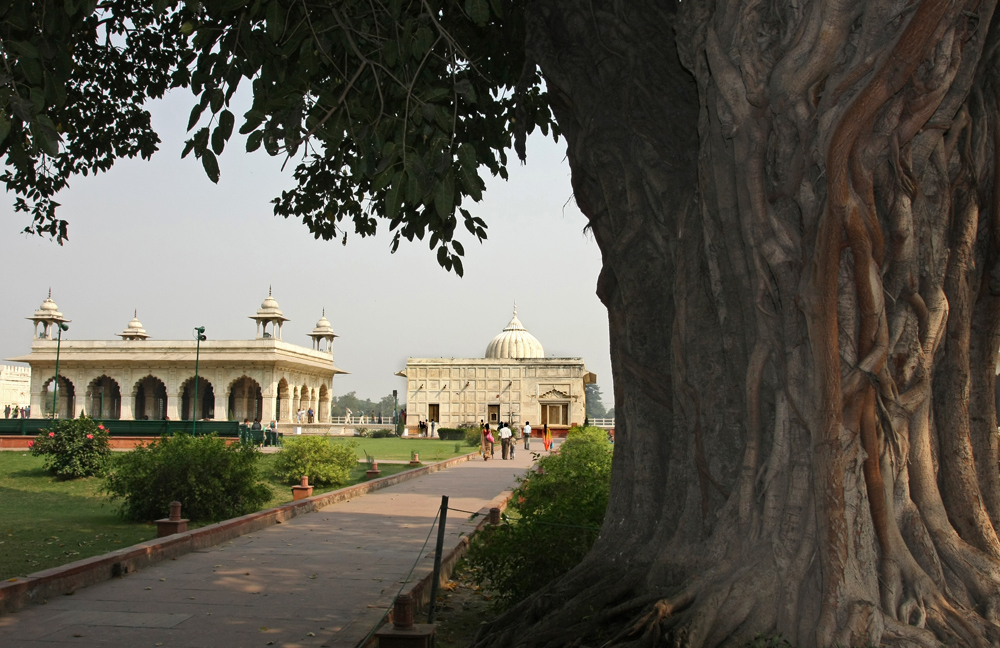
(595, 403)
(382, 407)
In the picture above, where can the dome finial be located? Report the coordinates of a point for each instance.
(515, 308)
(268, 290)
(135, 313)
(50, 292)
(324, 311)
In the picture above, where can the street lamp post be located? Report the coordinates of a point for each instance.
(199, 335)
(395, 411)
(55, 390)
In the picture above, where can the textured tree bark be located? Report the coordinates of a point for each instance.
(797, 205)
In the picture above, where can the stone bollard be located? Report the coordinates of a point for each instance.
(404, 633)
(303, 490)
(173, 524)
(494, 516)
(415, 461)
(402, 612)
(373, 471)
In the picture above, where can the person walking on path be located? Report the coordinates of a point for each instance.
(526, 435)
(489, 439)
(504, 433)
(546, 438)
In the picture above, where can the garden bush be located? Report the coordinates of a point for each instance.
(552, 521)
(74, 448)
(211, 480)
(472, 435)
(451, 434)
(383, 434)
(326, 463)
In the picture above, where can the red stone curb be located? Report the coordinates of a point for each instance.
(66, 579)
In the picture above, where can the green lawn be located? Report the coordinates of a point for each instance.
(430, 450)
(45, 522)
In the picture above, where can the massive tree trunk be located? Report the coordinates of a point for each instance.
(797, 205)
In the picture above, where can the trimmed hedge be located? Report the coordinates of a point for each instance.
(451, 434)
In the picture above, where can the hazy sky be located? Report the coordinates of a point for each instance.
(159, 237)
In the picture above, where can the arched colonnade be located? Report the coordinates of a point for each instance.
(157, 395)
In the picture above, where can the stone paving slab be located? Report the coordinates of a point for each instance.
(322, 579)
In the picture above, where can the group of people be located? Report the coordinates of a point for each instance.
(427, 428)
(305, 416)
(508, 441)
(18, 412)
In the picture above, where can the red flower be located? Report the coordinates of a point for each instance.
(90, 436)
(31, 443)
(51, 434)
(100, 427)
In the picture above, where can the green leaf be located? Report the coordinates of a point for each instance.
(478, 11)
(195, 115)
(459, 249)
(46, 139)
(223, 131)
(275, 17)
(253, 141)
(467, 156)
(4, 126)
(444, 197)
(459, 270)
(211, 165)
(394, 197)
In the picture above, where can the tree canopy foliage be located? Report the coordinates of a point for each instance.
(391, 109)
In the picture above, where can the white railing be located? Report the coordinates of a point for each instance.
(606, 423)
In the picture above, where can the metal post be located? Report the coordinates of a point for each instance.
(198, 336)
(437, 558)
(395, 411)
(55, 390)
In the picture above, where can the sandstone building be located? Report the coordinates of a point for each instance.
(514, 382)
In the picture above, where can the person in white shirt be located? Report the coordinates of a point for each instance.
(526, 435)
(504, 440)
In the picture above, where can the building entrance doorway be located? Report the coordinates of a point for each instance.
(494, 414)
(434, 413)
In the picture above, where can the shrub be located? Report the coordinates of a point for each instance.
(383, 434)
(363, 432)
(326, 463)
(451, 434)
(211, 480)
(552, 521)
(472, 435)
(591, 433)
(74, 448)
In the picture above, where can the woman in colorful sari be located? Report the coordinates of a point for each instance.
(484, 444)
(547, 438)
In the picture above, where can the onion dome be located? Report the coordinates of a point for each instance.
(47, 316)
(269, 315)
(269, 307)
(48, 309)
(134, 330)
(515, 342)
(323, 333)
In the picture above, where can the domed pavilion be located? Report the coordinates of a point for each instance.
(514, 382)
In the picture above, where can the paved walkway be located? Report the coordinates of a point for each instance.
(321, 579)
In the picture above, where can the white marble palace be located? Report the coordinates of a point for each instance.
(515, 382)
(140, 378)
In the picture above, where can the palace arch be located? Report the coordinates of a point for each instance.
(150, 397)
(245, 399)
(65, 398)
(104, 396)
(205, 400)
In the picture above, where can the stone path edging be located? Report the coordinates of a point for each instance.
(421, 590)
(66, 579)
